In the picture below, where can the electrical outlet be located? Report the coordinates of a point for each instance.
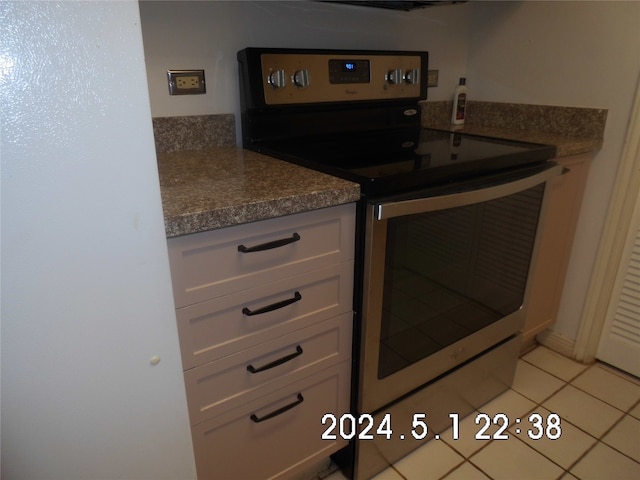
(186, 82)
(432, 78)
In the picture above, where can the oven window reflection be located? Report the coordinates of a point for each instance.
(452, 272)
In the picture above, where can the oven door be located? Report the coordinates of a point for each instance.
(445, 278)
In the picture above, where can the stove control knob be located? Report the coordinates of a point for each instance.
(277, 79)
(301, 78)
(412, 77)
(394, 77)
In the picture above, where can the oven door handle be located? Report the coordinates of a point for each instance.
(429, 204)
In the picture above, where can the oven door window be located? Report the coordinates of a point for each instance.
(450, 273)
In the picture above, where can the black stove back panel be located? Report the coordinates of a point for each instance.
(293, 93)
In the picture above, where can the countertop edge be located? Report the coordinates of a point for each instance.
(220, 187)
(176, 226)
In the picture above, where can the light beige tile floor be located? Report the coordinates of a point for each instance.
(599, 412)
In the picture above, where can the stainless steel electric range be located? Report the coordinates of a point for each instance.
(446, 233)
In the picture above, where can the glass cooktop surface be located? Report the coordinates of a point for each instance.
(397, 160)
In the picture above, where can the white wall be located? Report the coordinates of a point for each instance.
(584, 54)
(208, 35)
(86, 293)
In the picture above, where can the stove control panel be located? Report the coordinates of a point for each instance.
(291, 77)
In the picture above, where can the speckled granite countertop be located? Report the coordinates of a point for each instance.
(223, 186)
(565, 145)
(572, 130)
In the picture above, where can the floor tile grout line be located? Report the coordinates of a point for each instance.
(458, 465)
(585, 365)
(393, 467)
(597, 364)
(479, 468)
(546, 398)
(536, 406)
(539, 405)
(598, 440)
(570, 382)
(628, 412)
(574, 425)
(529, 412)
(598, 398)
(476, 412)
(618, 373)
(564, 470)
(601, 439)
(541, 454)
(583, 456)
(466, 459)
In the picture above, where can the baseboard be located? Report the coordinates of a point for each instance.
(557, 343)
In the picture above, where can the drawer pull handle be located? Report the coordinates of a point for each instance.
(269, 245)
(275, 413)
(274, 306)
(275, 363)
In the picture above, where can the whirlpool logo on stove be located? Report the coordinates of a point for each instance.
(410, 112)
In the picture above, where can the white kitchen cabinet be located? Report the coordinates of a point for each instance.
(264, 315)
(238, 445)
(224, 384)
(209, 265)
(556, 240)
(218, 327)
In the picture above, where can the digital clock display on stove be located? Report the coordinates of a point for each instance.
(349, 71)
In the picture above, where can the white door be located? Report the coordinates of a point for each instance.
(620, 339)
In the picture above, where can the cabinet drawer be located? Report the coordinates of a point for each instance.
(216, 328)
(233, 446)
(209, 264)
(225, 384)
